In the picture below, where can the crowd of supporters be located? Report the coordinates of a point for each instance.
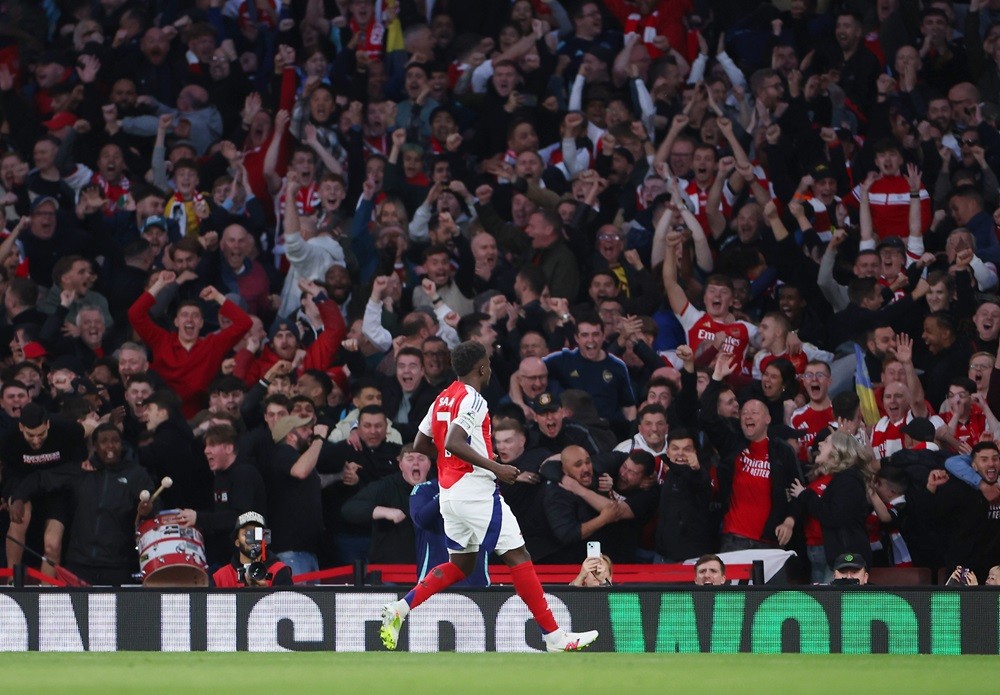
(734, 263)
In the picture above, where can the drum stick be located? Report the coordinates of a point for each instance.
(164, 484)
(144, 496)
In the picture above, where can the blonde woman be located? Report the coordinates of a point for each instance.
(843, 506)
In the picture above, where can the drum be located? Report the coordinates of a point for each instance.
(171, 555)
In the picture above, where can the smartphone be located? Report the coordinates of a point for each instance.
(961, 580)
(593, 549)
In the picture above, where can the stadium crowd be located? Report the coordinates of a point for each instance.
(735, 264)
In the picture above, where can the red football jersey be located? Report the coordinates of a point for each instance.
(463, 405)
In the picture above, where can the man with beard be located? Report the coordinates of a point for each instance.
(590, 368)
(156, 71)
(104, 505)
(571, 518)
(947, 355)
(39, 443)
(437, 362)
(351, 468)
(630, 479)
(293, 488)
(234, 573)
(970, 521)
(385, 506)
(339, 287)
(237, 488)
(186, 361)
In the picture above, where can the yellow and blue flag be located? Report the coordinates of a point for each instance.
(863, 387)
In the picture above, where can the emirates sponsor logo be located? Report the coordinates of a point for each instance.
(757, 468)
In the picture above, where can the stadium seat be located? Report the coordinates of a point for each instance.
(900, 576)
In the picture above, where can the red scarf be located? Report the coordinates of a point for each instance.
(371, 38)
(113, 192)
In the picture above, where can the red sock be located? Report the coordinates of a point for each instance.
(528, 587)
(439, 578)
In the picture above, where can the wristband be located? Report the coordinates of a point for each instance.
(316, 438)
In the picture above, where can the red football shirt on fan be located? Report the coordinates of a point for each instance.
(969, 432)
(699, 326)
(812, 421)
(750, 501)
(814, 532)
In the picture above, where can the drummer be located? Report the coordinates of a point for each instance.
(99, 552)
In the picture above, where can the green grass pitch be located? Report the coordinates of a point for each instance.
(481, 674)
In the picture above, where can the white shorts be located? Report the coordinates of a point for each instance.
(473, 524)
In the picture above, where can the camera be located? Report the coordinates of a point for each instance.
(256, 540)
(256, 572)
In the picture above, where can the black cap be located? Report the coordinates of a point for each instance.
(821, 437)
(69, 363)
(849, 561)
(821, 171)
(545, 403)
(33, 415)
(250, 518)
(920, 429)
(891, 242)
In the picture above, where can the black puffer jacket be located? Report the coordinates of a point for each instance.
(104, 506)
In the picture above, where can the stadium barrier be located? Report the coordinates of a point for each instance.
(763, 620)
(377, 574)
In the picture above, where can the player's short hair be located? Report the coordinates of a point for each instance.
(466, 356)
